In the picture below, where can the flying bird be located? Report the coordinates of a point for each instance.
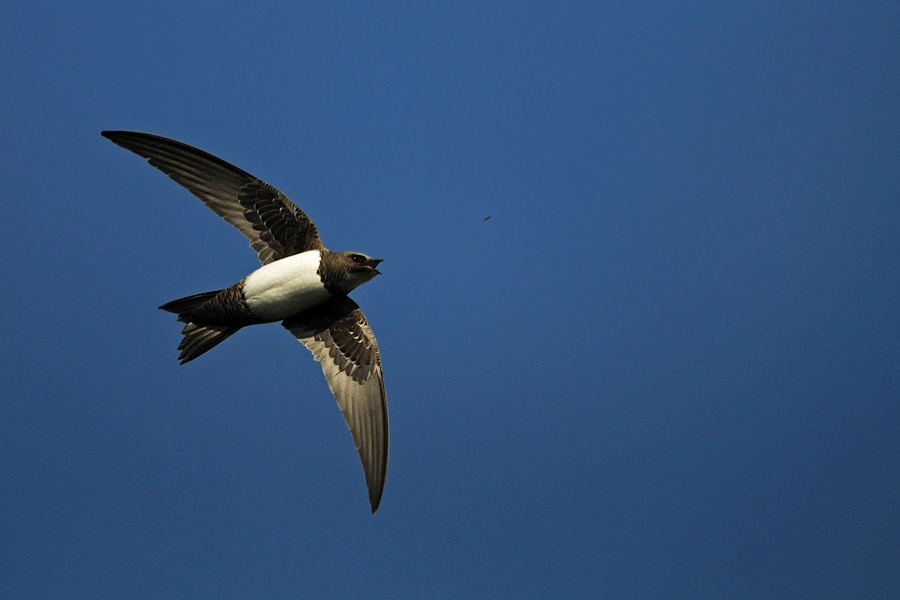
(300, 283)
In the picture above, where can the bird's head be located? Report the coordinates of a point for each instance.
(352, 269)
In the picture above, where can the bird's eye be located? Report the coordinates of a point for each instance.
(357, 258)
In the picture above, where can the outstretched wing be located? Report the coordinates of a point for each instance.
(274, 225)
(340, 338)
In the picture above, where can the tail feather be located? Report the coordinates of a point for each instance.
(185, 306)
(198, 339)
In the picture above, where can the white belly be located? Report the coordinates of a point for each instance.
(285, 287)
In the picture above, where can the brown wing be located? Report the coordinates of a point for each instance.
(340, 338)
(274, 225)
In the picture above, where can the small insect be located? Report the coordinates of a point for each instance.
(486, 218)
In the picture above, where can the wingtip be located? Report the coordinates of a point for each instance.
(113, 134)
(375, 499)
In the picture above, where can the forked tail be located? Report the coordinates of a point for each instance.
(198, 339)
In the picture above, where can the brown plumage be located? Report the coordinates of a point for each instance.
(334, 330)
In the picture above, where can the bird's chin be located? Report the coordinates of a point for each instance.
(366, 273)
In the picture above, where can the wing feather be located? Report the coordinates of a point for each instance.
(339, 337)
(275, 226)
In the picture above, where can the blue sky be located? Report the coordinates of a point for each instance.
(666, 367)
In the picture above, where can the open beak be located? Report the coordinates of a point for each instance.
(373, 262)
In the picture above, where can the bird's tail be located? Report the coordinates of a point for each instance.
(198, 339)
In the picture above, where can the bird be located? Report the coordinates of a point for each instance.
(300, 283)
